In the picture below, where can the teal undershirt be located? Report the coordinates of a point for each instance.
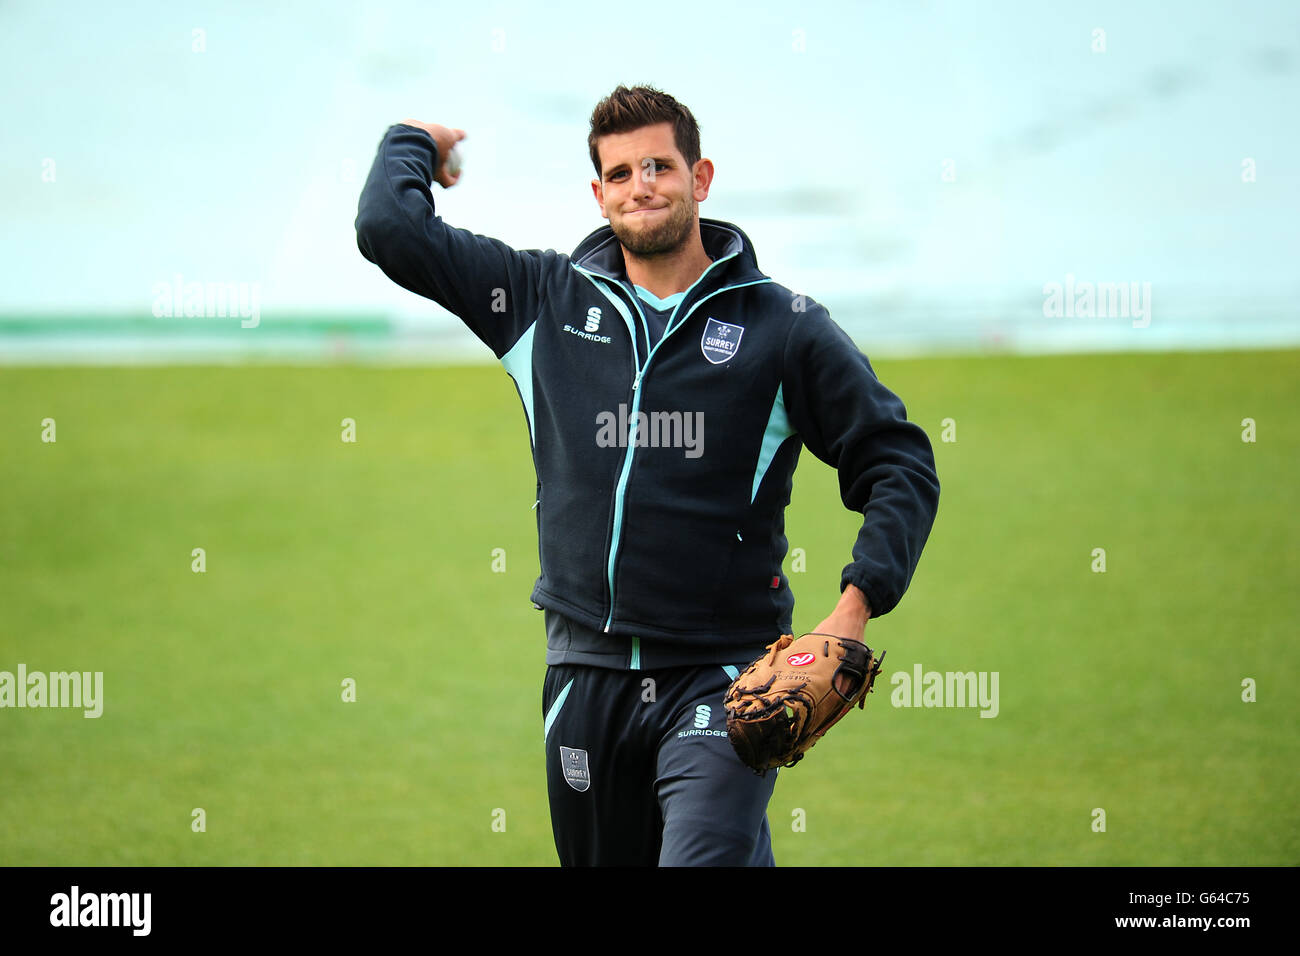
(657, 311)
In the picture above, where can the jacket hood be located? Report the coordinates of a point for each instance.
(601, 253)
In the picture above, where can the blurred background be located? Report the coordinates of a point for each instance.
(925, 169)
(244, 471)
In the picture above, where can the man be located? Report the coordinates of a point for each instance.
(668, 386)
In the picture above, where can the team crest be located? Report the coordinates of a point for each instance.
(576, 773)
(721, 341)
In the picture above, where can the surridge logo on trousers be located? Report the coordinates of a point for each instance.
(576, 772)
(721, 340)
(702, 715)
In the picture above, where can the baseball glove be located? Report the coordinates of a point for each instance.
(785, 701)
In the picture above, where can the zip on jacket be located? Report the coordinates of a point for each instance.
(641, 371)
(637, 537)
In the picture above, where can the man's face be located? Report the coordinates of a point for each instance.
(647, 192)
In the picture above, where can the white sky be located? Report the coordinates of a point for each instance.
(244, 162)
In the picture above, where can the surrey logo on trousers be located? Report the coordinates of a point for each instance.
(721, 340)
(576, 773)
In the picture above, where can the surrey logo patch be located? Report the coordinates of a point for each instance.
(576, 773)
(721, 341)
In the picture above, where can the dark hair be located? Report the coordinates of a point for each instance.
(626, 110)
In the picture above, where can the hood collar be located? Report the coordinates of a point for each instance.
(601, 253)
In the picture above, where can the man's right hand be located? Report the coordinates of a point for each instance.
(445, 138)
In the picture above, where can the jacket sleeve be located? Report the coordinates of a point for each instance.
(848, 419)
(492, 288)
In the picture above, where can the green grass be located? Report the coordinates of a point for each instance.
(372, 561)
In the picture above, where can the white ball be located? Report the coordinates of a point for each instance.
(453, 163)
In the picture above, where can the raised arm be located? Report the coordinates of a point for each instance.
(494, 289)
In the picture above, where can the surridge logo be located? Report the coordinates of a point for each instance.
(589, 328)
(700, 725)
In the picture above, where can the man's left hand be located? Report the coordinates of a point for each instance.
(847, 621)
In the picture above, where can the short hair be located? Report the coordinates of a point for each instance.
(626, 110)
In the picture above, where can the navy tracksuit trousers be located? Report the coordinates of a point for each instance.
(640, 771)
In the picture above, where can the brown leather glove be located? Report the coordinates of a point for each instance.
(785, 701)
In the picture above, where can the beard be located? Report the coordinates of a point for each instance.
(664, 238)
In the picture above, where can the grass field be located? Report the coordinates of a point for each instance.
(372, 560)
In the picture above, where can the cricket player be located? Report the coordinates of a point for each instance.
(668, 387)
